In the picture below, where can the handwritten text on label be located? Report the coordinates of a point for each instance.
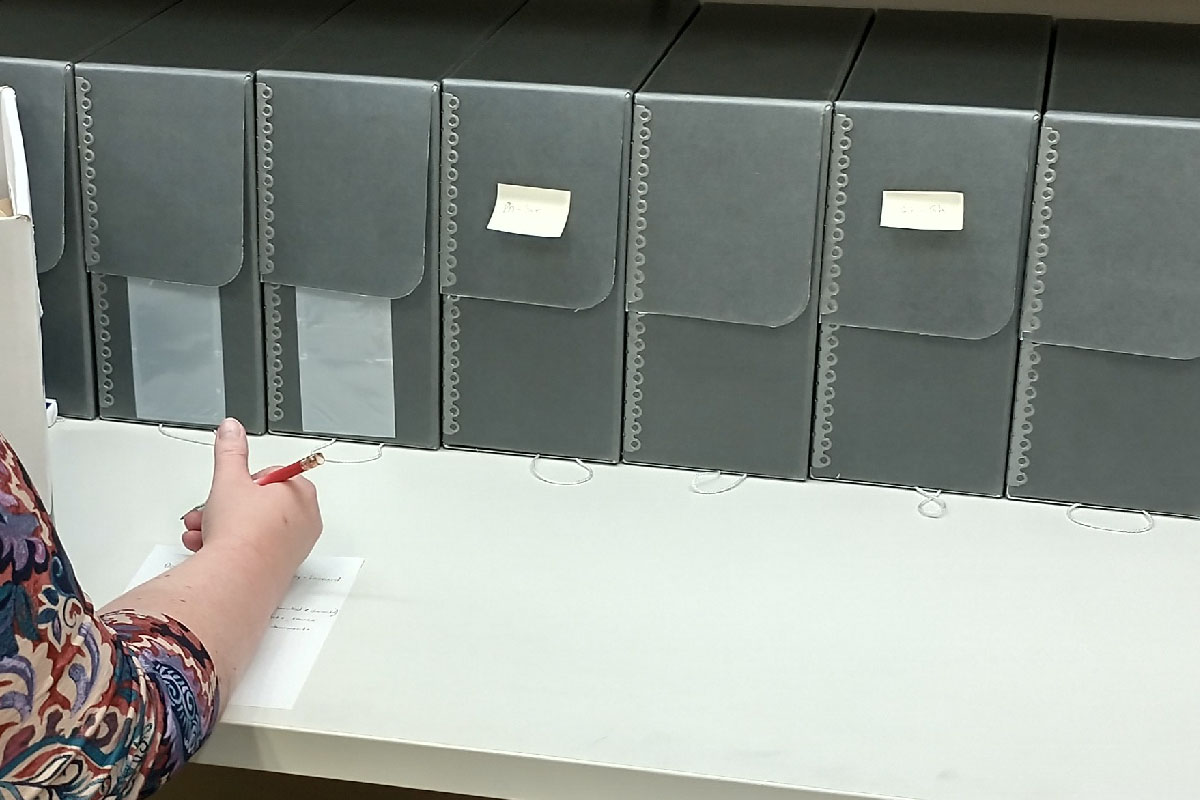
(923, 211)
(530, 211)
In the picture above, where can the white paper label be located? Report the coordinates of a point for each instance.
(922, 211)
(530, 211)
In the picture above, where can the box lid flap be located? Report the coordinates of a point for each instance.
(928, 209)
(165, 159)
(223, 35)
(38, 42)
(67, 31)
(1145, 68)
(42, 93)
(1114, 257)
(417, 39)
(953, 59)
(533, 192)
(718, 225)
(329, 218)
(724, 226)
(611, 44)
(763, 51)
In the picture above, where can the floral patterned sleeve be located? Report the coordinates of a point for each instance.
(91, 706)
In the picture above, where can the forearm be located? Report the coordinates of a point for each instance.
(225, 596)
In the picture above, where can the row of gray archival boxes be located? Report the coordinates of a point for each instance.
(956, 251)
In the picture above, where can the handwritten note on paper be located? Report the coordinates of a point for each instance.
(298, 627)
(923, 211)
(530, 211)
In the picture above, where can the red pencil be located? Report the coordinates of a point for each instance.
(283, 473)
(291, 470)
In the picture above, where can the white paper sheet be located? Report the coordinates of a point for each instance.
(530, 211)
(298, 628)
(923, 211)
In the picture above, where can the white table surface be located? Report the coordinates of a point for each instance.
(627, 640)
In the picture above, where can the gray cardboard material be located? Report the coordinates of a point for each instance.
(917, 342)
(720, 396)
(724, 237)
(1144, 457)
(357, 93)
(534, 328)
(1110, 338)
(39, 42)
(166, 133)
(918, 417)
(506, 392)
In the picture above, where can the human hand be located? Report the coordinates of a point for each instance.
(278, 521)
(193, 521)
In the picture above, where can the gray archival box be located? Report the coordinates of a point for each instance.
(1110, 350)
(166, 127)
(727, 198)
(39, 42)
(929, 201)
(348, 137)
(534, 326)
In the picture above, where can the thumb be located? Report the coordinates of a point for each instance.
(231, 452)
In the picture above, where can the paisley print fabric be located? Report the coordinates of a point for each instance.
(91, 706)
